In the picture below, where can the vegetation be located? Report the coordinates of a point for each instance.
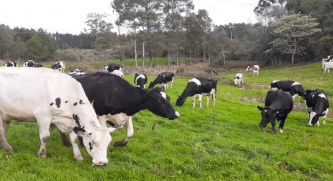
(221, 143)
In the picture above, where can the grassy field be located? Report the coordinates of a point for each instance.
(221, 143)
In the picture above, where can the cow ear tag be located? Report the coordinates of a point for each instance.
(277, 112)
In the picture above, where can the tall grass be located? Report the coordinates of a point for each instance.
(221, 143)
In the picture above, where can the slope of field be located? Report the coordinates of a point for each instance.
(221, 143)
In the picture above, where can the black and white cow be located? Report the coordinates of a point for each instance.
(59, 65)
(254, 68)
(239, 79)
(51, 98)
(111, 67)
(11, 64)
(115, 100)
(318, 104)
(163, 78)
(29, 63)
(75, 71)
(140, 80)
(294, 88)
(198, 87)
(278, 104)
(37, 65)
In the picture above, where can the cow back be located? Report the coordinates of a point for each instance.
(279, 100)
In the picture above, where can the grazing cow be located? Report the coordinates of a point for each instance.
(111, 67)
(75, 71)
(278, 104)
(29, 63)
(198, 86)
(327, 66)
(292, 87)
(140, 80)
(255, 69)
(239, 79)
(115, 100)
(51, 98)
(59, 65)
(11, 64)
(318, 104)
(163, 78)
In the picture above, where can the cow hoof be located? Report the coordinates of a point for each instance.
(120, 143)
(6, 148)
(42, 153)
(281, 131)
(79, 158)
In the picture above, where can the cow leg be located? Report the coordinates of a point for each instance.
(4, 125)
(44, 134)
(324, 117)
(65, 140)
(214, 98)
(193, 100)
(273, 126)
(129, 133)
(200, 99)
(281, 125)
(172, 82)
(207, 100)
(76, 151)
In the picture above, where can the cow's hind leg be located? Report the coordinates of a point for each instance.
(129, 133)
(44, 123)
(281, 125)
(200, 100)
(4, 125)
(193, 100)
(324, 117)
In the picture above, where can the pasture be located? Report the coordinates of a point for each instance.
(221, 143)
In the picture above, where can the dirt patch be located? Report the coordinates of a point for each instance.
(251, 99)
(256, 86)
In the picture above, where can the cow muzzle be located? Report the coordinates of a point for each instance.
(100, 163)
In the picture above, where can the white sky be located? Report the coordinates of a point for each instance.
(68, 16)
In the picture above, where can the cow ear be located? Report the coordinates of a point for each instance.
(79, 131)
(260, 108)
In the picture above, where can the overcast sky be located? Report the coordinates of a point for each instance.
(68, 16)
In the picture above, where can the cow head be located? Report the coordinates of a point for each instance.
(151, 85)
(96, 143)
(158, 104)
(248, 68)
(180, 101)
(314, 118)
(236, 80)
(268, 115)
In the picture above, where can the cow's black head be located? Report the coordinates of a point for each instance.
(180, 101)
(151, 85)
(158, 104)
(268, 115)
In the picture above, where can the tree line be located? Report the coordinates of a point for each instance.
(286, 32)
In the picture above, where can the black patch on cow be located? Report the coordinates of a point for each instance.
(66, 101)
(57, 102)
(80, 102)
(51, 104)
(75, 104)
(110, 123)
(77, 129)
(77, 120)
(90, 146)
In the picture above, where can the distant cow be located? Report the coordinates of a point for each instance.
(239, 79)
(198, 87)
(38, 65)
(278, 104)
(59, 65)
(327, 66)
(49, 97)
(318, 104)
(11, 64)
(76, 72)
(292, 87)
(115, 101)
(140, 80)
(111, 67)
(255, 69)
(163, 78)
(29, 63)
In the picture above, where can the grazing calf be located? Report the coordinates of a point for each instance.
(140, 80)
(11, 64)
(292, 87)
(51, 98)
(239, 79)
(29, 63)
(115, 101)
(255, 69)
(198, 86)
(111, 67)
(318, 104)
(163, 78)
(278, 105)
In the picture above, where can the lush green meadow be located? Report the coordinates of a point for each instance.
(221, 143)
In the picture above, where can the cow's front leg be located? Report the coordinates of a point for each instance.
(324, 117)
(273, 126)
(74, 139)
(4, 125)
(200, 100)
(129, 133)
(44, 134)
(207, 100)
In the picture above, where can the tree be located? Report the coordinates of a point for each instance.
(6, 41)
(292, 33)
(83, 56)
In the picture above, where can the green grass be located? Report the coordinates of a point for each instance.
(188, 148)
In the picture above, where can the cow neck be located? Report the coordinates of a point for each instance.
(85, 117)
(188, 90)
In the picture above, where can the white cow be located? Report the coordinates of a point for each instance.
(327, 66)
(50, 97)
(255, 69)
(239, 79)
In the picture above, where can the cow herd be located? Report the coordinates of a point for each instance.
(83, 104)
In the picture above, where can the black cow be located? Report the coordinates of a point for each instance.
(199, 86)
(140, 80)
(115, 101)
(11, 64)
(318, 104)
(292, 87)
(278, 104)
(163, 78)
(111, 67)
